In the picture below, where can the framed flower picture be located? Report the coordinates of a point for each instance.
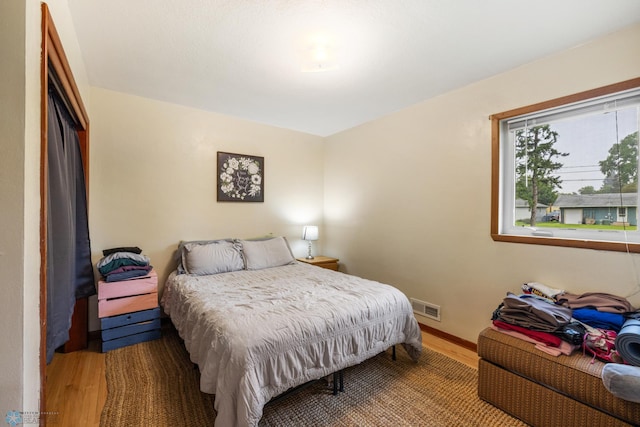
(240, 178)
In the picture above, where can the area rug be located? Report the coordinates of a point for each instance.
(155, 384)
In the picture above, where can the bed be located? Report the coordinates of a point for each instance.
(258, 323)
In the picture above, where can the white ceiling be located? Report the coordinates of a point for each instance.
(244, 57)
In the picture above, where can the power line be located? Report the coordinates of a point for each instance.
(584, 166)
(587, 171)
(585, 179)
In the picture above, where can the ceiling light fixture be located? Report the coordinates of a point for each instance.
(320, 56)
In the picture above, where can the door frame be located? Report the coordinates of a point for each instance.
(53, 55)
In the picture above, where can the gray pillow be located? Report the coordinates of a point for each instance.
(211, 258)
(177, 255)
(259, 254)
(622, 381)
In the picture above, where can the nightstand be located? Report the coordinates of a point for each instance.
(322, 261)
(128, 311)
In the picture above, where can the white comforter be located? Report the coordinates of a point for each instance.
(255, 334)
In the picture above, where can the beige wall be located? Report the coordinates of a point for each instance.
(20, 44)
(12, 189)
(407, 196)
(153, 178)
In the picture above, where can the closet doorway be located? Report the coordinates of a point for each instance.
(64, 235)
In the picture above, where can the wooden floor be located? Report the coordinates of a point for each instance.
(77, 389)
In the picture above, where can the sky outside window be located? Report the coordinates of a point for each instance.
(588, 140)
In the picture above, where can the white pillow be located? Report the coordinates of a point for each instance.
(211, 258)
(622, 381)
(259, 254)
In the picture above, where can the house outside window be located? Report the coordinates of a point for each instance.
(599, 209)
(576, 155)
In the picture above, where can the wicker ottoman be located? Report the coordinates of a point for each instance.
(543, 390)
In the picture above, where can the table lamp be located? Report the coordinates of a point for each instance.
(310, 233)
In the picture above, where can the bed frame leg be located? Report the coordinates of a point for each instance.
(338, 377)
(393, 353)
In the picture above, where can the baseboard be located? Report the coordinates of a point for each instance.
(95, 335)
(451, 338)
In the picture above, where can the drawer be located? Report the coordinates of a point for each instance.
(135, 328)
(130, 340)
(129, 318)
(127, 288)
(329, 265)
(113, 307)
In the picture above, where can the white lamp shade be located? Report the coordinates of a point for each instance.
(310, 232)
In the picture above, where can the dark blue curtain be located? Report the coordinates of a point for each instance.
(69, 267)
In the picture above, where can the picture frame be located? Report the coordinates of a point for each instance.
(240, 178)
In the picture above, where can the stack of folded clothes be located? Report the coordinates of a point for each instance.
(559, 322)
(538, 320)
(124, 263)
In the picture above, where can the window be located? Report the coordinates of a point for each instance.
(565, 172)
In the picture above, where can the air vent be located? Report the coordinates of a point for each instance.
(426, 309)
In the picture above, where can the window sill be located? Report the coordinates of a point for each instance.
(568, 243)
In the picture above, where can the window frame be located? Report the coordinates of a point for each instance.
(496, 178)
